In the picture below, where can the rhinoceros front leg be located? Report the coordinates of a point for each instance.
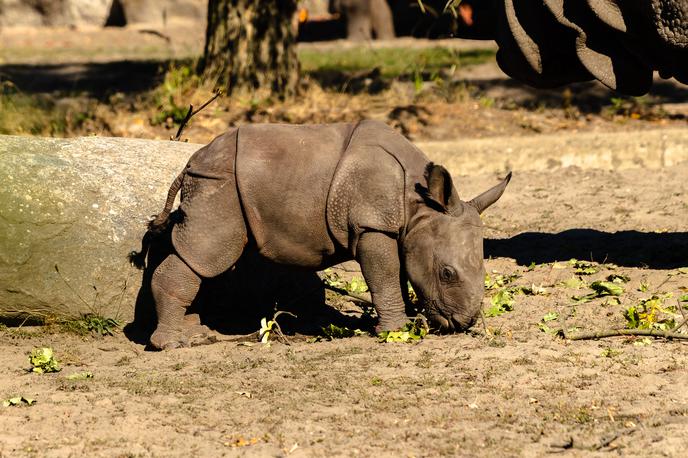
(378, 255)
(174, 287)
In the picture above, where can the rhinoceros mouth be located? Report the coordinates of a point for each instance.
(448, 322)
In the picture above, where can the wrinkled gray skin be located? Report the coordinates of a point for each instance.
(547, 43)
(316, 195)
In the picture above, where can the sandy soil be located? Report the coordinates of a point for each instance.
(509, 389)
(506, 389)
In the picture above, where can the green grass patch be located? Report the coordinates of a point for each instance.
(393, 62)
(22, 114)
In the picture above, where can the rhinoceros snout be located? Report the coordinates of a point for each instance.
(456, 322)
(463, 322)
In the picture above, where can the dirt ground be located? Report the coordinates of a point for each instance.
(507, 389)
(510, 387)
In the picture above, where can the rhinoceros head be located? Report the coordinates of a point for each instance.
(443, 250)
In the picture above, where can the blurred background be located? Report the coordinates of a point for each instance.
(131, 68)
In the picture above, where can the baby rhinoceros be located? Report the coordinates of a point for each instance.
(317, 195)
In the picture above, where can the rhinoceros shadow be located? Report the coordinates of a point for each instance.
(625, 248)
(234, 302)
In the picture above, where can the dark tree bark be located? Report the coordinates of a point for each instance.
(250, 47)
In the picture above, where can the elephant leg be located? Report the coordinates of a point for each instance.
(378, 255)
(174, 286)
(382, 21)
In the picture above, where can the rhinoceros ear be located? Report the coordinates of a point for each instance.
(490, 196)
(440, 193)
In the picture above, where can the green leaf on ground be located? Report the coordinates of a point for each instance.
(80, 375)
(19, 400)
(357, 285)
(600, 289)
(532, 290)
(610, 352)
(618, 278)
(550, 316)
(410, 332)
(333, 331)
(502, 302)
(43, 360)
(607, 288)
(499, 280)
(650, 314)
(574, 283)
(583, 267)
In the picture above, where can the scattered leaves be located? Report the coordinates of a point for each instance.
(333, 331)
(600, 289)
(502, 302)
(410, 332)
(607, 288)
(574, 283)
(618, 278)
(650, 314)
(80, 375)
(548, 317)
(610, 352)
(357, 285)
(583, 267)
(19, 400)
(532, 290)
(499, 280)
(241, 442)
(43, 360)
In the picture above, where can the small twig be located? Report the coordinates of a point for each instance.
(70, 287)
(482, 318)
(606, 442)
(626, 332)
(343, 292)
(191, 113)
(157, 34)
(683, 314)
(276, 327)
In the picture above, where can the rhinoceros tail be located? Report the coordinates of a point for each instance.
(162, 220)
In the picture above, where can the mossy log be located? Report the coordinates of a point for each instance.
(81, 205)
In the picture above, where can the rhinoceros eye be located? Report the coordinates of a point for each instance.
(447, 274)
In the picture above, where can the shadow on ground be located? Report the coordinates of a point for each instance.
(234, 303)
(97, 79)
(625, 248)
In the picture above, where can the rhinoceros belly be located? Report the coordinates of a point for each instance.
(284, 174)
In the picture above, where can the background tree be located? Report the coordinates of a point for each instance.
(250, 47)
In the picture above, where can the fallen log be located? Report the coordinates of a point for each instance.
(71, 210)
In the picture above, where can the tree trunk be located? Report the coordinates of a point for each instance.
(250, 47)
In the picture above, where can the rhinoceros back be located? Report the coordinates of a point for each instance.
(284, 174)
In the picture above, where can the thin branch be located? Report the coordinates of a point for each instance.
(191, 113)
(683, 314)
(607, 442)
(627, 332)
(343, 292)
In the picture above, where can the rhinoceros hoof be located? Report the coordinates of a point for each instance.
(391, 325)
(167, 339)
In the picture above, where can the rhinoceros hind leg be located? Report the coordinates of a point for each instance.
(174, 287)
